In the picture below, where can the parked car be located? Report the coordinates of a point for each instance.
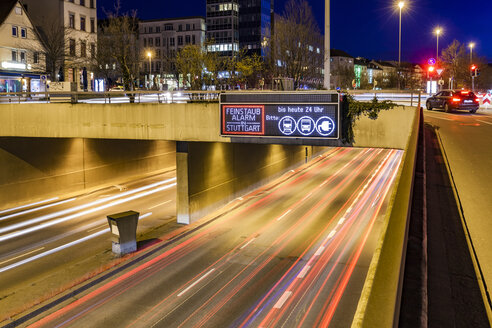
(450, 100)
(117, 88)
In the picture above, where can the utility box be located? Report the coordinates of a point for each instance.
(123, 228)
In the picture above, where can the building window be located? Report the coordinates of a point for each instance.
(18, 10)
(72, 47)
(14, 55)
(151, 42)
(92, 4)
(15, 31)
(23, 57)
(168, 27)
(83, 49)
(187, 39)
(193, 39)
(171, 42)
(82, 2)
(24, 33)
(180, 40)
(157, 42)
(82, 23)
(93, 25)
(158, 29)
(180, 27)
(93, 50)
(36, 58)
(151, 29)
(71, 20)
(187, 27)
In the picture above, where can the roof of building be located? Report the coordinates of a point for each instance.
(339, 53)
(170, 19)
(5, 9)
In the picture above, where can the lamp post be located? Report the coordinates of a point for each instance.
(401, 4)
(438, 32)
(326, 81)
(149, 54)
(471, 45)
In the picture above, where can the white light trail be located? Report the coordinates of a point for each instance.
(78, 208)
(51, 251)
(36, 209)
(79, 214)
(27, 205)
(282, 300)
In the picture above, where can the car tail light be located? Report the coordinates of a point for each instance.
(465, 92)
(456, 99)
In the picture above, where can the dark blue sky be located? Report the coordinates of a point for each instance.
(369, 28)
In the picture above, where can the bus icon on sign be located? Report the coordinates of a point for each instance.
(305, 125)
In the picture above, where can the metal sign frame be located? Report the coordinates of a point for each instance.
(254, 102)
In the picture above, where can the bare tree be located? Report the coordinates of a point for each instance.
(54, 46)
(455, 63)
(295, 43)
(120, 44)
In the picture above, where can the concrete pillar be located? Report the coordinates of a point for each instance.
(182, 187)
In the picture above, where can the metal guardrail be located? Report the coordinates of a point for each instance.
(114, 97)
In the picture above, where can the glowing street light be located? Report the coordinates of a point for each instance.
(149, 54)
(401, 4)
(471, 45)
(438, 32)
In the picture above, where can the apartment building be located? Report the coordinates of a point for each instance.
(160, 40)
(22, 65)
(79, 18)
(223, 26)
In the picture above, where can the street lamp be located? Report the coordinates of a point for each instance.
(438, 32)
(401, 4)
(471, 45)
(149, 54)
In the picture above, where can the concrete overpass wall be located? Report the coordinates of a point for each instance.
(212, 174)
(180, 122)
(39, 168)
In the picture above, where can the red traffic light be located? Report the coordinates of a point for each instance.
(431, 69)
(473, 67)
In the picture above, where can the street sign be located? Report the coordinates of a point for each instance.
(431, 61)
(280, 115)
(439, 71)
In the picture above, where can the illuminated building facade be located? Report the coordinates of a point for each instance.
(223, 26)
(21, 65)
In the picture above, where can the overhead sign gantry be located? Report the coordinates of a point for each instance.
(311, 115)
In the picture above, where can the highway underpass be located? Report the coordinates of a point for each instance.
(394, 129)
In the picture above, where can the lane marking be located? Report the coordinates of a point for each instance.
(196, 282)
(19, 256)
(303, 272)
(167, 201)
(282, 300)
(441, 118)
(54, 250)
(319, 251)
(249, 242)
(332, 233)
(97, 228)
(341, 221)
(280, 218)
(27, 205)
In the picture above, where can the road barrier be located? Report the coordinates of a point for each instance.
(379, 304)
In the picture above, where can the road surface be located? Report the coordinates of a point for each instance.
(466, 139)
(294, 252)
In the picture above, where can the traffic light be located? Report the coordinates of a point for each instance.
(430, 71)
(473, 70)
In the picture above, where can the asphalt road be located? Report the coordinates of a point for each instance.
(294, 252)
(39, 239)
(466, 139)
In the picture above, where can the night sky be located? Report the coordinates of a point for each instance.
(369, 28)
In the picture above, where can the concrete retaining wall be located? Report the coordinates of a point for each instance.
(38, 168)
